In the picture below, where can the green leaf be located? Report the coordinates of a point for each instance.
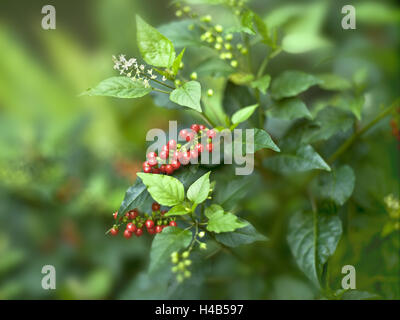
(188, 95)
(289, 109)
(245, 235)
(247, 22)
(350, 103)
(169, 240)
(262, 140)
(337, 185)
(291, 83)
(304, 159)
(166, 190)
(120, 87)
(312, 240)
(177, 62)
(220, 221)
(180, 35)
(241, 78)
(199, 190)
(135, 196)
(155, 48)
(334, 82)
(262, 84)
(178, 210)
(300, 42)
(243, 114)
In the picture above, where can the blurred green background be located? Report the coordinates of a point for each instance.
(66, 161)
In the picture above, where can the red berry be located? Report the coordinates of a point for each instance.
(149, 224)
(162, 168)
(114, 231)
(127, 215)
(194, 154)
(115, 214)
(155, 206)
(172, 224)
(202, 127)
(145, 164)
(151, 231)
(131, 227)
(127, 234)
(169, 169)
(165, 148)
(184, 158)
(175, 164)
(183, 133)
(147, 169)
(172, 144)
(151, 155)
(164, 154)
(133, 214)
(158, 229)
(195, 127)
(139, 232)
(189, 136)
(152, 162)
(155, 170)
(209, 147)
(163, 212)
(199, 147)
(175, 155)
(211, 133)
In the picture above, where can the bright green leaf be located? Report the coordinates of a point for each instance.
(243, 114)
(220, 221)
(169, 240)
(199, 190)
(119, 87)
(188, 95)
(241, 78)
(155, 48)
(178, 210)
(177, 62)
(166, 190)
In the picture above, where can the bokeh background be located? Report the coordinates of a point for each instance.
(66, 161)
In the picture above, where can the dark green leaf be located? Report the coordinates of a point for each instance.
(135, 196)
(169, 240)
(289, 109)
(312, 241)
(262, 84)
(291, 83)
(304, 159)
(245, 235)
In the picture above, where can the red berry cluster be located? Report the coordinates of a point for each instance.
(173, 155)
(135, 223)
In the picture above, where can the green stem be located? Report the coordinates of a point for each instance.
(159, 90)
(347, 144)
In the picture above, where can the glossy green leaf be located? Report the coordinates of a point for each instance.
(166, 190)
(156, 49)
(178, 210)
(303, 159)
(188, 95)
(291, 83)
(243, 114)
(199, 190)
(220, 221)
(135, 196)
(169, 240)
(119, 87)
(312, 240)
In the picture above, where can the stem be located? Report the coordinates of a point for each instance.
(160, 82)
(159, 90)
(347, 144)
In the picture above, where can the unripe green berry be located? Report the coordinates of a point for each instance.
(228, 55)
(218, 28)
(177, 82)
(187, 262)
(220, 39)
(227, 46)
(181, 65)
(218, 46)
(202, 234)
(174, 269)
(186, 9)
(244, 51)
(229, 37)
(210, 92)
(191, 27)
(203, 246)
(178, 13)
(206, 18)
(193, 76)
(185, 254)
(187, 274)
(234, 63)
